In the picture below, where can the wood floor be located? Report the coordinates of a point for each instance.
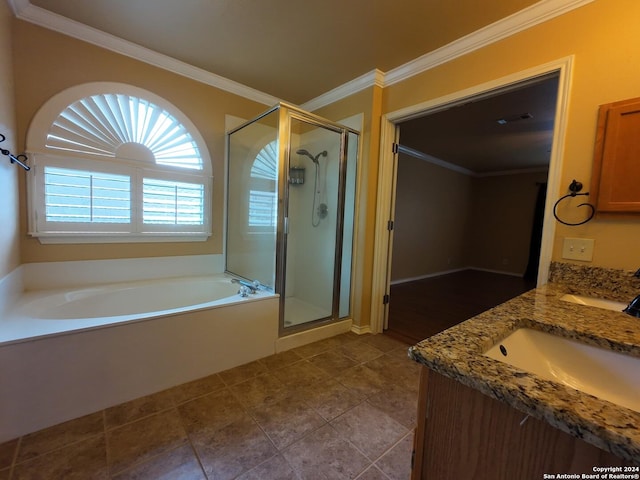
(422, 308)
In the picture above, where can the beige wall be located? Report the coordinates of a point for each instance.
(446, 220)
(501, 215)
(9, 174)
(603, 37)
(431, 215)
(47, 63)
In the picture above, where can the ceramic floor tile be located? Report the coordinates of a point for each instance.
(210, 413)
(400, 371)
(312, 349)
(140, 441)
(137, 409)
(261, 390)
(348, 337)
(197, 388)
(287, 421)
(385, 343)
(60, 435)
(401, 353)
(80, 461)
(280, 360)
(329, 398)
(234, 449)
(369, 429)
(178, 464)
(243, 372)
(332, 362)
(396, 463)
(363, 381)
(233, 423)
(7, 453)
(360, 351)
(276, 468)
(399, 403)
(325, 454)
(373, 473)
(300, 374)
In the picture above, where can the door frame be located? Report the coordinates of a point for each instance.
(388, 163)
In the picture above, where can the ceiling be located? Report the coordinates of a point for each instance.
(298, 50)
(294, 50)
(468, 135)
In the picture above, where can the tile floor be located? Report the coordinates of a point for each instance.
(340, 408)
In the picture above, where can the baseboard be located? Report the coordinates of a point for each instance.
(501, 272)
(428, 275)
(357, 329)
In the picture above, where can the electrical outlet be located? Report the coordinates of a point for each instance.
(578, 249)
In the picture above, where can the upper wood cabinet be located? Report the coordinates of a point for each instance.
(615, 181)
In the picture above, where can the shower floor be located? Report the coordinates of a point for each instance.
(298, 311)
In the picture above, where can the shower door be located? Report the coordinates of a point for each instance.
(312, 218)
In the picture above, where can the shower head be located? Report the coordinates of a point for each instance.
(306, 153)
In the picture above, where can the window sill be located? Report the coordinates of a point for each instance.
(74, 238)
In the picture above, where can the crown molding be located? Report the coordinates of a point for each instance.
(535, 14)
(465, 171)
(24, 10)
(373, 78)
(435, 160)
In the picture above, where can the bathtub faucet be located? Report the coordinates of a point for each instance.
(246, 287)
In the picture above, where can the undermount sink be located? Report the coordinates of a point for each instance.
(595, 302)
(605, 374)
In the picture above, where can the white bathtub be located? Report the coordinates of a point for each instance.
(67, 353)
(51, 312)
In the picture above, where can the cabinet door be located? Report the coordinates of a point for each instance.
(616, 176)
(469, 436)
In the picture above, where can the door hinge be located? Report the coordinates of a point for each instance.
(385, 299)
(390, 225)
(394, 148)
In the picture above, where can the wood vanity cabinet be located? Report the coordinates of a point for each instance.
(615, 180)
(463, 434)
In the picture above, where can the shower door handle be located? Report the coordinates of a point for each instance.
(286, 225)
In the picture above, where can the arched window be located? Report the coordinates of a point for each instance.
(263, 197)
(116, 163)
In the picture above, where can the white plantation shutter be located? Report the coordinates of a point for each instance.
(263, 199)
(263, 207)
(93, 197)
(172, 203)
(114, 166)
(100, 124)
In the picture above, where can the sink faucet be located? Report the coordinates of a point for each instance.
(246, 287)
(633, 308)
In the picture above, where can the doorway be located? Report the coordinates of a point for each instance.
(394, 127)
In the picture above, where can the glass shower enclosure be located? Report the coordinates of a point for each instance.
(291, 181)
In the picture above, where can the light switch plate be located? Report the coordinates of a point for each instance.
(578, 249)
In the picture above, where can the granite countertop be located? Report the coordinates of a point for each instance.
(458, 353)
